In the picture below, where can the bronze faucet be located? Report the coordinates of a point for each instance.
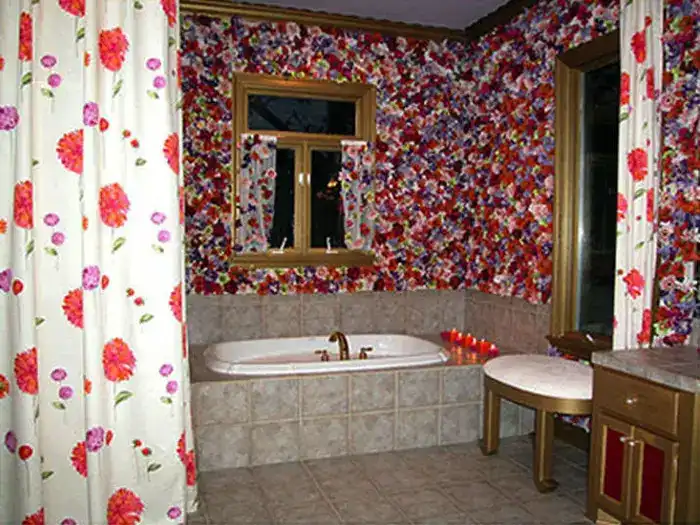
(342, 344)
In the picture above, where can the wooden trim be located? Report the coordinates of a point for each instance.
(499, 17)
(319, 18)
(688, 504)
(597, 53)
(576, 344)
(295, 259)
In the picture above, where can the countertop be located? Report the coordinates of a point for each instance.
(676, 367)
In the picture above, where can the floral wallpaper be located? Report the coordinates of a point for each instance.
(464, 153)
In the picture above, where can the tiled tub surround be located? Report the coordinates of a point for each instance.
(508, 322)
(244, 422)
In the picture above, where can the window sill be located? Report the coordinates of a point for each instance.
(576, 344)
(290, 259)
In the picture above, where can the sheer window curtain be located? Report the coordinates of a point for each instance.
(357, 191)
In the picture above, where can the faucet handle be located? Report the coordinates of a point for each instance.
(363, 352)
(324, 354)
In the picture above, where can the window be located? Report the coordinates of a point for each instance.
(307, 123)
(587, 83)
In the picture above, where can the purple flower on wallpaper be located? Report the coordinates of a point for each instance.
(95, 439)
(51, 219)
(9, 118)
(11, 441)
(91, 277)
(159, 82)
(58, 374)
(553, 351)
(171, 387)
(163, 235)
(65, 392)
(6, 280)
(54, 80)
(153, 63)
(58, 238)
(91, 114)
(48, 61)
(158, 218)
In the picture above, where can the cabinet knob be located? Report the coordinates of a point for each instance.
(630, 401)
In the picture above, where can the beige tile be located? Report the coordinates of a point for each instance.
(424, 503)
(518, 487)
(227, 513)
(320, 314)
(425, 320)
(274, 399)
(447, 467)
(241, 493)
(357, 312)
(459, 424)
(371, 433)
(324, 395)
(222, 446)
(274, 443)
(390, 313)
(372, 391)
(274, 477)
(373, 509)
(282, 315)
(510, 419)
(494, 467)
(417, 428)
(452, 305)
(338, 474)
(203, 320)
(323, 438)
(317, 513)
(462, 384)
(236, 319)
(220, 402)
(225, 480)
(566, 510)
(511, 514)
(419, 388)
(475, 495)
(391, 474)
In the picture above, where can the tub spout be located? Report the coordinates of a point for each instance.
(342, 344)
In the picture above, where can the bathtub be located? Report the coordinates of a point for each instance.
(295, 355)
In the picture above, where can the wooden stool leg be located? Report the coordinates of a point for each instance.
(492, 420)
(544, 439)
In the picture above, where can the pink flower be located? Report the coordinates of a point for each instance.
(171, 387)
(91, 277)
(153, 63)
(59, 374)
(58, 238)
(65, 392)
(91, 114)
(9, 118)
(48, 61)
(163, 236)
(158, 218)
(54, 80)
(159, 82)
(51, 219)
(166, 370)
(174, 513)
(11, 442)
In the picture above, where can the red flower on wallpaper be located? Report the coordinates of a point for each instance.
(621, 207)
(73, 307)
(4, 386)
(651, 91)
(644, 335)
(24, 205)
(35, 519)
(639, 46)
(171, 150)
(118, 361)
(70, 151)
(170, 10)
(624, 88)
(25, 37)
(635, 283)
(78, 458)
(650, 205)
(637, 164)
(175, 302)
(124, 508)
(27, 372)
(113, 45)
(114, 205)
(73, 7)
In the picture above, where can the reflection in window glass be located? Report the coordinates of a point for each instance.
(283, 221)
(302, 115)
(598, 200)
(326, 203)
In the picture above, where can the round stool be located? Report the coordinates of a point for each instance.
(547, 384)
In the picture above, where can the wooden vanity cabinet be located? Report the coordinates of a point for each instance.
(645, 452)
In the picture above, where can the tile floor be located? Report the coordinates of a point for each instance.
(440, 485)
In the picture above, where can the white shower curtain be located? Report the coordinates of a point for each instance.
(94, 388)
(641, 65)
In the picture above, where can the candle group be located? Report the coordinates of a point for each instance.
(458, 340)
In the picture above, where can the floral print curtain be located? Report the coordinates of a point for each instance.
(94, 386)
(256, 191)
(641, 65)
(357, 191)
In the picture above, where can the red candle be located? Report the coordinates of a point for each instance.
(483, 346)
(453, 335)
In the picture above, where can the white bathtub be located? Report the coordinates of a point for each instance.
(291, 356)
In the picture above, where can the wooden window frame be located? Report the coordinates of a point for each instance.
(569, 69)
(364, 97)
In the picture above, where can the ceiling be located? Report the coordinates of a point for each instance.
(455, 14)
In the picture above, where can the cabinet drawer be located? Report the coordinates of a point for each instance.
(639, 401)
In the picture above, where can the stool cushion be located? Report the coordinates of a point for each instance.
(543, 375)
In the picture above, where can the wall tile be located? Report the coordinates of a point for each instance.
(324, 395)
(417, 428)
(357, 312)
(320, 314)
(203, 320)
(273, 399)
(282, 315)
(452, 305)
(220, 402)
(323, 438)
(419, 388)
(527, 420)
(372, 391)
(462, 384)
(222, 446)
(371, 433)
(390, 313)
(274, 443)
(240, 323)
(459, 424)
(510, 419)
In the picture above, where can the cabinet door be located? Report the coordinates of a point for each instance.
(655, 478)
(614, 482)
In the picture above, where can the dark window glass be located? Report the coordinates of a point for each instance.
(326, 204)
(301, 115)
(283, 220)
(598, 200)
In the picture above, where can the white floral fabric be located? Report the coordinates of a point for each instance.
(357, 191)
(639, 173)
(94, 388)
